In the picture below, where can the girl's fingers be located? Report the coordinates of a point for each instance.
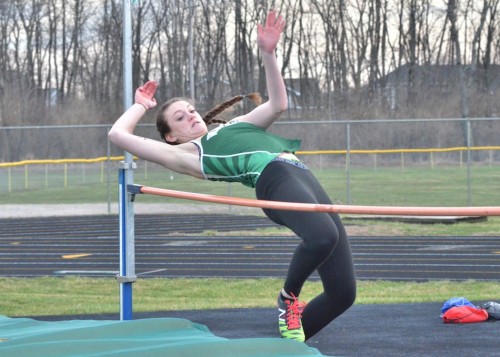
(271, 19)
(274, 21)
(150, 88)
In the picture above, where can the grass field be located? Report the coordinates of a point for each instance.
(74, 296)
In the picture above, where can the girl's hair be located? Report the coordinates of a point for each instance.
(209, 118)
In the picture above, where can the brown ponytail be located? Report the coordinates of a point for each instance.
(210, 117)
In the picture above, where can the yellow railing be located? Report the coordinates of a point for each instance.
(460, 149)
(397, 151)
(61, 161)
(65, 162)
(309, 152)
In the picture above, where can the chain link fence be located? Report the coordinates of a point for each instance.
(383, 162)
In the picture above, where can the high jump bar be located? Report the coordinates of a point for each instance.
(309, 207)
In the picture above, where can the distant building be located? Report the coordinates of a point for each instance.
(430, 80)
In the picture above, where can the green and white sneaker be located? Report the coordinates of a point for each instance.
(290, 323)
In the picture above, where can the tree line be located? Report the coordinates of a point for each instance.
(61, 60)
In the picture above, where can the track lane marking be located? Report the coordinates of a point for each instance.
(75, 256)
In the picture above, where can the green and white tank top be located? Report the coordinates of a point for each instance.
(239, 152)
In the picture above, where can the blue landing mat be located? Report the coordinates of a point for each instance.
(147, 337)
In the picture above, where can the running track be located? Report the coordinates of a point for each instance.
(171, 246)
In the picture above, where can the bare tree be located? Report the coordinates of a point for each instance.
(375, 35)
(242, 48)
(348, 49)
(8, 85)
(456, 55)
(159, 72)
(336, 26)
(412, 54)
(212, 52)
(488, 57)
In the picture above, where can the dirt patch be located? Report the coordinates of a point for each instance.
(372, 230)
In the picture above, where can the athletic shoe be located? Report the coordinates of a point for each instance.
(301, 306)
(289, 320)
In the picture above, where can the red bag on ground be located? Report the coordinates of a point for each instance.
(464, 314)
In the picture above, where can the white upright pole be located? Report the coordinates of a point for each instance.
(191, 55)
(126, 176)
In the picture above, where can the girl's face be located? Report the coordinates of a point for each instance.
(185, 123)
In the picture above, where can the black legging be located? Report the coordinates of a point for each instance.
(324, 247)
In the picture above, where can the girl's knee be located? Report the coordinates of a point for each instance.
(323, 245)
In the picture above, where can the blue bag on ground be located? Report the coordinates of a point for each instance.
(455, 301)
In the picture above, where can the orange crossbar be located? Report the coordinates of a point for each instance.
(349, 209)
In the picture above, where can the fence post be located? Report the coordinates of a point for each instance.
(108, 171)
(469, 137)
(26, 179)
(348, 162)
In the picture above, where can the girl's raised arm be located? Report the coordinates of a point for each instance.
(268, 36)
(177, 158)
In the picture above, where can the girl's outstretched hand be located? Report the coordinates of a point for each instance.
(145, 95)
(269, 34)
